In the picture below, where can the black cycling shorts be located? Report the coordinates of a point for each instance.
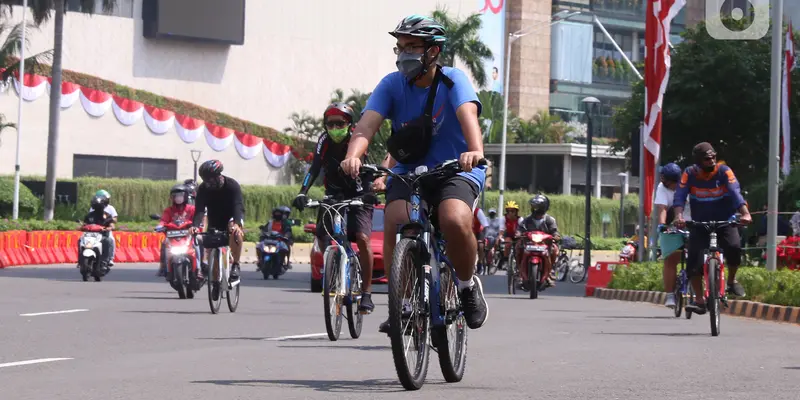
(359, 221)
(480, 236)
(727, 239)
(457, 187)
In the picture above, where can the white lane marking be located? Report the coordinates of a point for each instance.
(53, 312)
(310, 335)
(29, 362)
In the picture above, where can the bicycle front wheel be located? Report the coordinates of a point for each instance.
(577, 273)
(214, 290)
(409, 323)
(332, 299)
(713, 295)
(511, 275)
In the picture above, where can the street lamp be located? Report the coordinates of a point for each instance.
(196, 157)
(591, 105)
(512, 37)
(22, 43)
(623, 180)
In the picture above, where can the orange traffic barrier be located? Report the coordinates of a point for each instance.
(21, 247)
(599, 275)
(46, 242)
(53, 247)
(145, 250)
(9, 248)
(5, 260)
(121, 253)
(71, 245)
(37, 257)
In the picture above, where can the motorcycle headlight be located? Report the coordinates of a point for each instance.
(178, 250)
(270, 249)
(89, 243)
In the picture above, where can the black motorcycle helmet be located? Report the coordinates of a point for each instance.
(286, 211)
(98, 203)
(179, 189)
(277, 213)
(539, 205)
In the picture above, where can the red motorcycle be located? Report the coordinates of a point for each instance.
(537, 247)
(182, 260)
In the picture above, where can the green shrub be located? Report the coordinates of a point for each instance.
(28, 202)
(779, 287)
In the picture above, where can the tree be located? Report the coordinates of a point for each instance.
(719, 92)
(464, 43)
(491, 118)
(9, 50)
(41, 11)
(543, 128)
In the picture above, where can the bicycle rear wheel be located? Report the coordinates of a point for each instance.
(713, 295)
(577, 273)
(407, 282)
(561, 268)
(332, 300)
(690, 298)
(451, 339)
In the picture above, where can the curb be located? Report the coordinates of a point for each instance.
(739, 308)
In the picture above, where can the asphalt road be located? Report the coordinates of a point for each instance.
(136, 340)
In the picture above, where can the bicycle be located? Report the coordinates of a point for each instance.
(714, 271)
(683, 287)
(512, 273)
(341, 275)
(430, 285)
(578, 271)
(219, 284)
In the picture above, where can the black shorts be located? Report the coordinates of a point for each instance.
(359, 220)
(480, 236)
(457, 187)
(727, 239)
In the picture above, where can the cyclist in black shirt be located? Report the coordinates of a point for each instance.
(331, 149)
(221, 197)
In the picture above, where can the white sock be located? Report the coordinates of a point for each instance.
(465, 285)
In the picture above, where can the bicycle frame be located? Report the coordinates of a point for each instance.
(714, 252)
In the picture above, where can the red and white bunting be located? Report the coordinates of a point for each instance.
(34, 86)
(128, 112)
(218, 137)
(159, 121)
(95, 102)
(248, 146)
(69, 93)
(189, 129)
(277, 154)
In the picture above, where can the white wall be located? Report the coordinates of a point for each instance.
(295, 54)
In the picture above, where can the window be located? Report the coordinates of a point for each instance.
(123, 8)
(124, 167)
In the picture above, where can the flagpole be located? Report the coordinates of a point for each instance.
(640, 231)
(774, 134)
(15, 201)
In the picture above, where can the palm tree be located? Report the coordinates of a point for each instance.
(41, 11)
(9, 50)
(543, 128)
(491, 117)
(464, 43)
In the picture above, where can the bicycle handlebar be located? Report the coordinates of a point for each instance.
(449, 166)
(329, 201)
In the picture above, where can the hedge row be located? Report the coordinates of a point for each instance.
(178, 106)
(136, 199)
(779, 287)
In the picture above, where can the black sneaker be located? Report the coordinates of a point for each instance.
(234, 272)
(366, 305)
(476, 310)
(736, 288)
(384, 327)
(696, 308)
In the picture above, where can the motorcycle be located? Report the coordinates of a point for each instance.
(628, 251)
(91, 252)
(272, 250)
(181, 260)
(536, 248)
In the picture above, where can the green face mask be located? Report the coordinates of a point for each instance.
(337, 135)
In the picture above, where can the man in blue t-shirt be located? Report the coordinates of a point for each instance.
(714, 195)
(450, 125)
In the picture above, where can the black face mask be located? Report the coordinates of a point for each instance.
(277, 216)
(708, 168)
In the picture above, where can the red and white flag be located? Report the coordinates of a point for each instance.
(660, 14)
(786, 149)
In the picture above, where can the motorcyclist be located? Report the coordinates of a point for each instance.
(98, 216)
(287, 211)
(331, 150)
(540, 221)
(221, 197)
(112, 213)
(279, 223)
(191, 186)
(178, 213)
